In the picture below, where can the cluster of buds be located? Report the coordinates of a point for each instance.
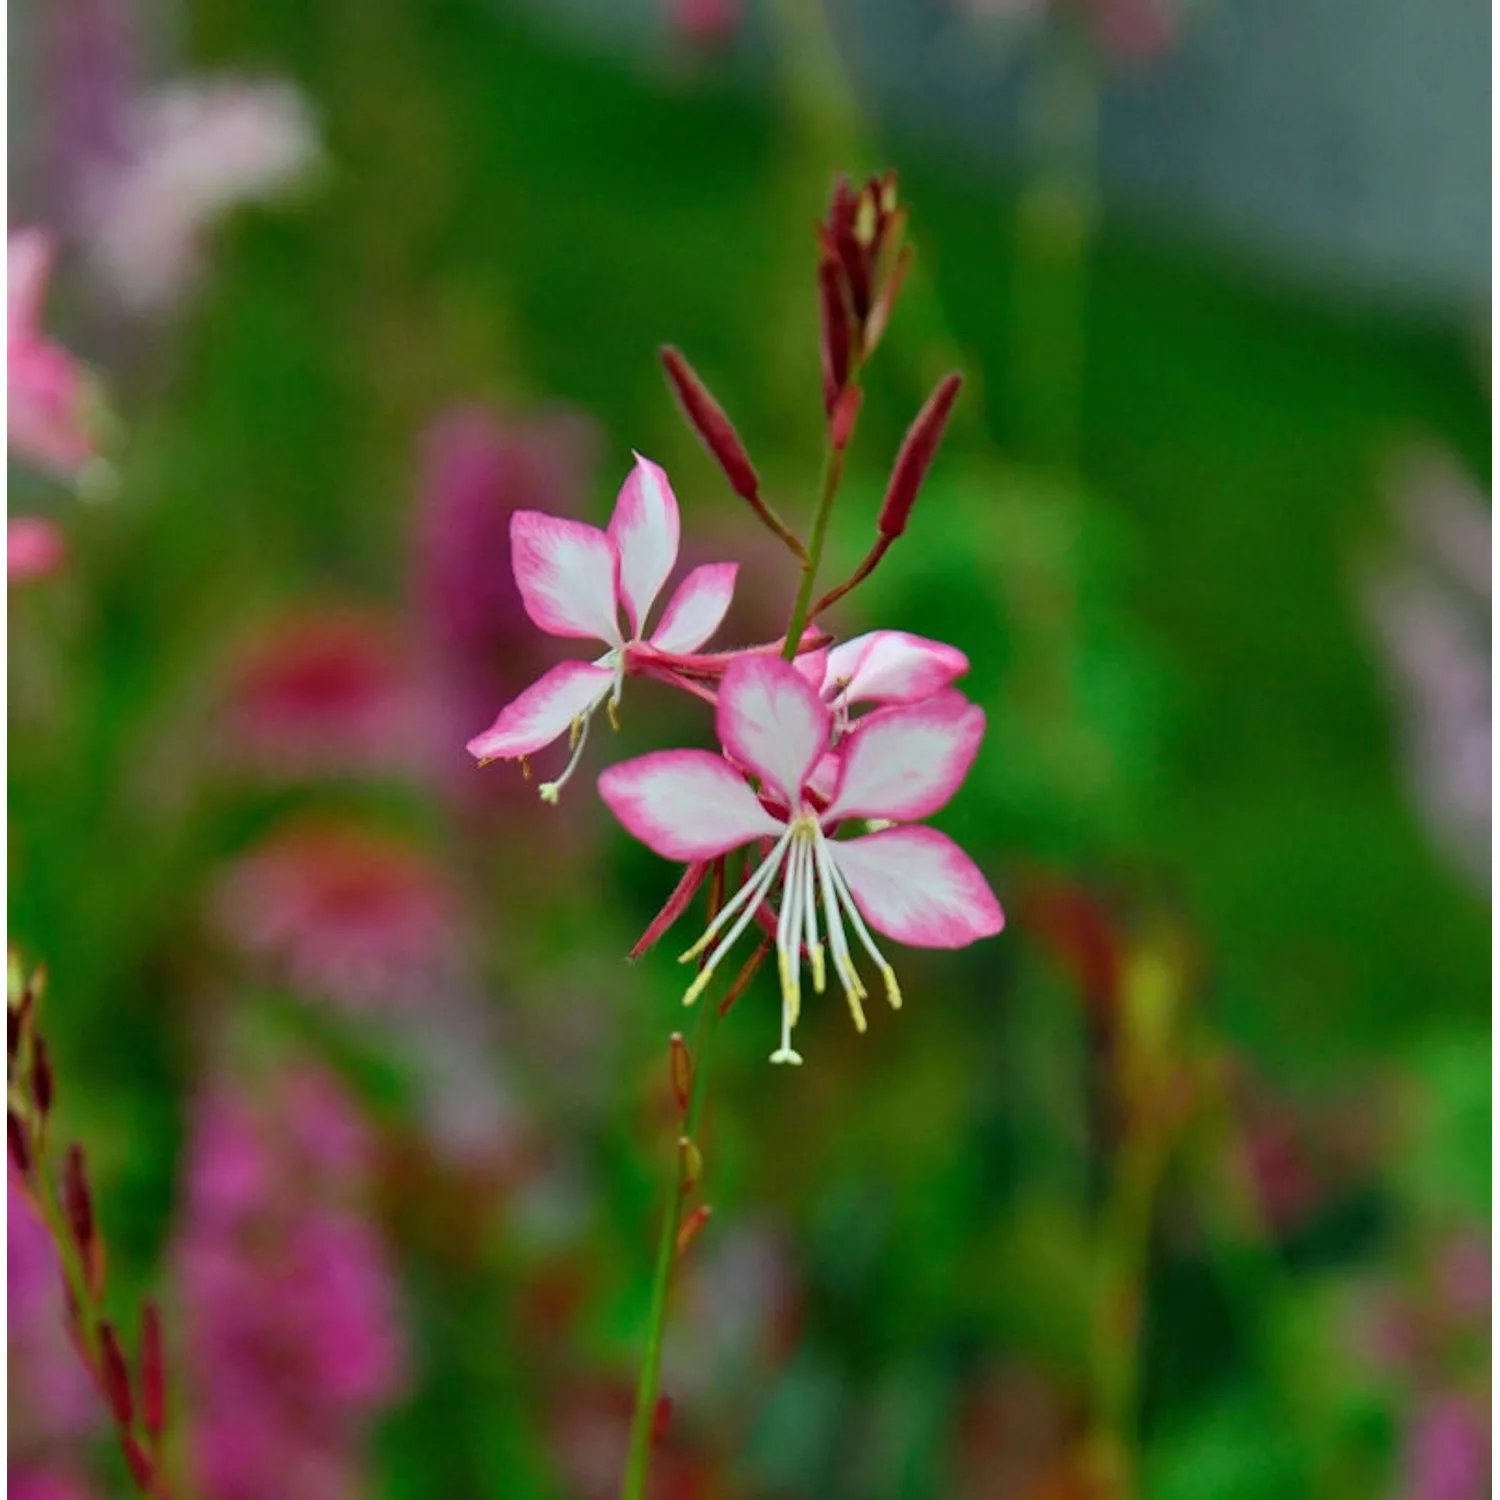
(136, 1400)
(865, 260)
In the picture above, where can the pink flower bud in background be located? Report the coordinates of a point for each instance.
(322, 691)
(477, 470)
(34, 549)
(1447, 1450)
(341, 914)
(51, 1400)
(705, 25)
(192, 152)
(293, 1342)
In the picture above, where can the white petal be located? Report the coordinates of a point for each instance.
(644, 529)
(543, 712)
(686, 804)
(565, 571)
(697, 609)
(892, 666)
(906, 763)
(919, 887)
(771, 720)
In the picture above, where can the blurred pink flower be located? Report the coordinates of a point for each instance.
(342, 914)
(191, 152)
(323, 691)
(1447, 1453)
(48, 416)
(34, 548)
(477, 471)
(44, 1484)
(289, 1300)
(705, 25)
(1431, 613)
(51, 1399)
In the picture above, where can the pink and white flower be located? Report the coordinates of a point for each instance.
(574, 581)
(912, 884)
(883, 666)
(47, 421)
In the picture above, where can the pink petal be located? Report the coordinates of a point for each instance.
(907, 762)
(891, 666)
(565, 571)
(644, 530)
(28, 268)
(919, 887)
(34, 548)
(771, 721)
(697, 609)
(685, 804)
(543, 712)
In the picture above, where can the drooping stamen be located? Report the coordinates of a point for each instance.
(838, 945)
(750, 897)
(735, 902)
(892, 989)
(810, 920)
(788, 931)
(578, 734)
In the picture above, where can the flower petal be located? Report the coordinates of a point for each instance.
(892, 666)
(771, 720)
(644, 530)
(543, 712)
(919, 887)
(907, 762)
(28, 267)
(697, 609)
(566, 572)
(686, 804)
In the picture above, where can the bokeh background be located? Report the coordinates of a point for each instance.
(1185, 1177)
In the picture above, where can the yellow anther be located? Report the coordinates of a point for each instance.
(612, 708)
(815, 957)
(892, 989)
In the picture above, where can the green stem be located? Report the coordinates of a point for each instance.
(638, 1460)
(833, 473)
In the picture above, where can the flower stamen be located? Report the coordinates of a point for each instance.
(838, 944)
(887, 973)
(747, 903)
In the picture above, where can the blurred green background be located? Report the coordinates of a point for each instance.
(1228, 1065)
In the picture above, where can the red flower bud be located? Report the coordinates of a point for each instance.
(690, 1164)
(661, 1419)
(915, 458)
(835, 332)
(114, 1375)
(845, 414)
(142, 1470)
(692, 1226)
(153, 1372)
(41, 1077)
(20, 1147)
(682, 1072)
(709, 421)
(78, 1203)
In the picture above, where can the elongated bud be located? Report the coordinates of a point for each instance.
(836, 335)
(661, 1419)
(78, 1203)
(153, 1372)
(41, 1077)
(692, 1227)
(709, 421)
(690, 1164)
(20, 1148)
(682, 1072)
(114, 1373)
(915, 458)
(142, 1470)
(845, 414)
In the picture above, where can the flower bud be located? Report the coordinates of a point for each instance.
(20, 1148)
(709, 421)
(661, 1419)
(915, 458)
(845, 414)
(153, 1372)
(690, 1164)
(78, 1202)
(114, 1375)
(142, 1470)
(692, 1226)
(682, 1072)
(836, 339)
(41, 1078)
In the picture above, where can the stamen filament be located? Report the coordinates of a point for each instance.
(810, 920)
(730, 907)
(578, 733)
(759, 884)
(838, 944)
(892, 989)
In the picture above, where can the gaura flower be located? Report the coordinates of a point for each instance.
(50, 392)
(574, 580)
(34, 548)
(887, 666)
(911, 884)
